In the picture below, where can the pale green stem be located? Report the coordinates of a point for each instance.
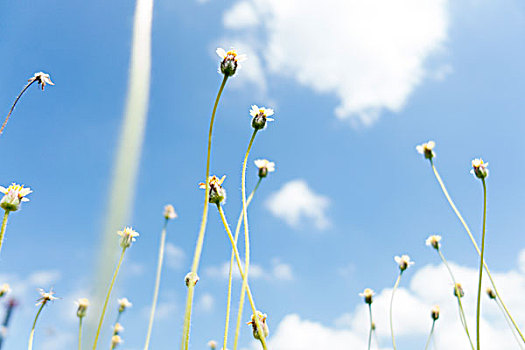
(14, 104)
(32, 334)
(200, 238)
(458, 214)
(157, 284)
(371, 326)
(2, 230)
(243, 276)
(509, 324)
(478, 308)
(430, 335)
(392, 303)
(107, 298)
(229, 298)
(246, 239)
(80, 333)
(462, 317)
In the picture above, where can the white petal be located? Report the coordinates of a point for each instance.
(220, 52)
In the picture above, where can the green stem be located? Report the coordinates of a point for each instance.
(232, 257)
(430, 335)
(478, 308)
(14, 104)
(456, 211)
(157, 284)
(107, 298)
(509, 324)
(2, 230)
(392, 303)
(371, 326)
(80, 333)
(200, 238)
(32, 334)
(239, 266)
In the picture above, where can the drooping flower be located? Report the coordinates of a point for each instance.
(260, 116)
(367, 295)
(124, 304)
(262, 322)
(191, 279)
(230, 61)
(42, 79)
(127, 236)
(14, 195)
(404, 262)
(45, 297)
(169, 212)
(217, 192)
(265, 167)
(427, 149)
(433, 241)
(82, 304)
(434, 312)
(479, 168)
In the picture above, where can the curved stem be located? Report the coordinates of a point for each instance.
(456, 211)
(239, 266)
(391, 303)
(107, 298)
(509, 324)
(430, 335)
(228, 300)
(371, 326)
(2, 230)
(14, 104)
(32, 334)
(478, 308)
(157, 284)
(200, 238)
(80, 333)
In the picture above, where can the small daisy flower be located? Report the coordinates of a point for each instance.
(82, 304)
(265, 167)
(262, 322)
(217, 192)
(433, 241)
(191, 278)
(45, 297)
(169, 212)
(434, 312)
(115, 340)
(403, 262)
(479, 169)
(427, 149)
(212, 344)
(491, 293)
(458, 290)
(117, 328)
(124, 304)
(4, 289)
(14, 195)
(42, 79)
(229, 61)
(260, 116)
(127, 236)
(367, 295)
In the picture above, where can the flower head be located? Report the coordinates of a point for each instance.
(191, 279)
(367, 295)
(115, 340)
(4, 289)
(230, 61)
(217, 192)
(479, 169)
(124, 304)
(434, 312)
(404, 262)
(169, 212)
(260, 116)
(458, 290)
(42, 79)
(45, 297)
(14, 195)
(212, 344)
(427, 149)
(82, 304)
(117, 328)
(127, 236)
(265, 167)
(262, 323)
(491, 293)
(433, 241)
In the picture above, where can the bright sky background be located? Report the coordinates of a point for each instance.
(356, 85)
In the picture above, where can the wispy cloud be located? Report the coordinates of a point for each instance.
(277, 271)
(174, 256)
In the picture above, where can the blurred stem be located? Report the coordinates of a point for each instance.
(2, 230)
(371, 326)
(200, 238)
(430, 335)
(80, 333)
(14, 104)
(230, 273)
(32, 334)
(157, 283)
(107, 298)
(392, 303)
(478, 308)
(239, 265)
(456, 211)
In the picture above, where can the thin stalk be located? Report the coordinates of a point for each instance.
(509, 324)
(2, 230)
(430, 335)
(230, 274)
(371, 326)
(32, 334)
(14, 104)
(478, 308)
(458, 214)
(392, 303)
(246, 238)
(107, 298)
(157, 284)
(200, 238)
(80, 333)
(239, 265)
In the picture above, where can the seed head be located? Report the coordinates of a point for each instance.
(479, 169)
(260, 116)
(124, 304)
(434, 312)
(217, 192)
(191, 278)
(127, 236)
(82, 304)
(367, 295)
(229, 61)
(14, 195)
(42, 79)
(433, 241)
(404, 262)
(262, 322)
(265, 167)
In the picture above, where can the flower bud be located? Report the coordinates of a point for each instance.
(115, 340)
(403, 262)
(4, 289)
(491, 293)
(458, 291)
(367, 295)
(479, 169)
(426, 149)
(83, 304)
(434, 313)
(169, 212)
(212, 344)
(265, 167)
(217, 192)
(262, 323)
(433, 241)
(124, 304)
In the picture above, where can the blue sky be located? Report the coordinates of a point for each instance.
(352, 100)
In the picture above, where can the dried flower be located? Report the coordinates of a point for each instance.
(479, 169)
(45, 297)
(123, 304)
(260, 116)
(265, 167)
(4, 289)
(42, 79)
(115, 340)
(217, 192)
(367, 295)
(212, 344)
(458, 291)
(491, 293)
(127, 236)
(14, 195)
(434, 312)
(426, 149)
(262, 322)
(117, 328)
(191, 278)
(230, 61)
(82, 304)
(169, 212)
(433, 241)
(403, 262)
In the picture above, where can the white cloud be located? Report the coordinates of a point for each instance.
(278, 271)
(174, 256)
(370, 54)
(206, 302)
(295, 203)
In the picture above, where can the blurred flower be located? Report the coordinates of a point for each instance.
(230, 61)
(491, 293)
(115, 340)
(433, 241)
(83, 304)
(169, 212)
(479, 169)
(260, 116)
(217, 193)
(265, 167)
(212, 344)
(434, 313)
(4, 289)
(403, 262)
(127, 236)
(191, 278)
(45, 297)
(262, 322)
(123, 304)
(42, 79)
(426, 149)
(14, 195)
(367, 295)
(117, 328)
(458, 290)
